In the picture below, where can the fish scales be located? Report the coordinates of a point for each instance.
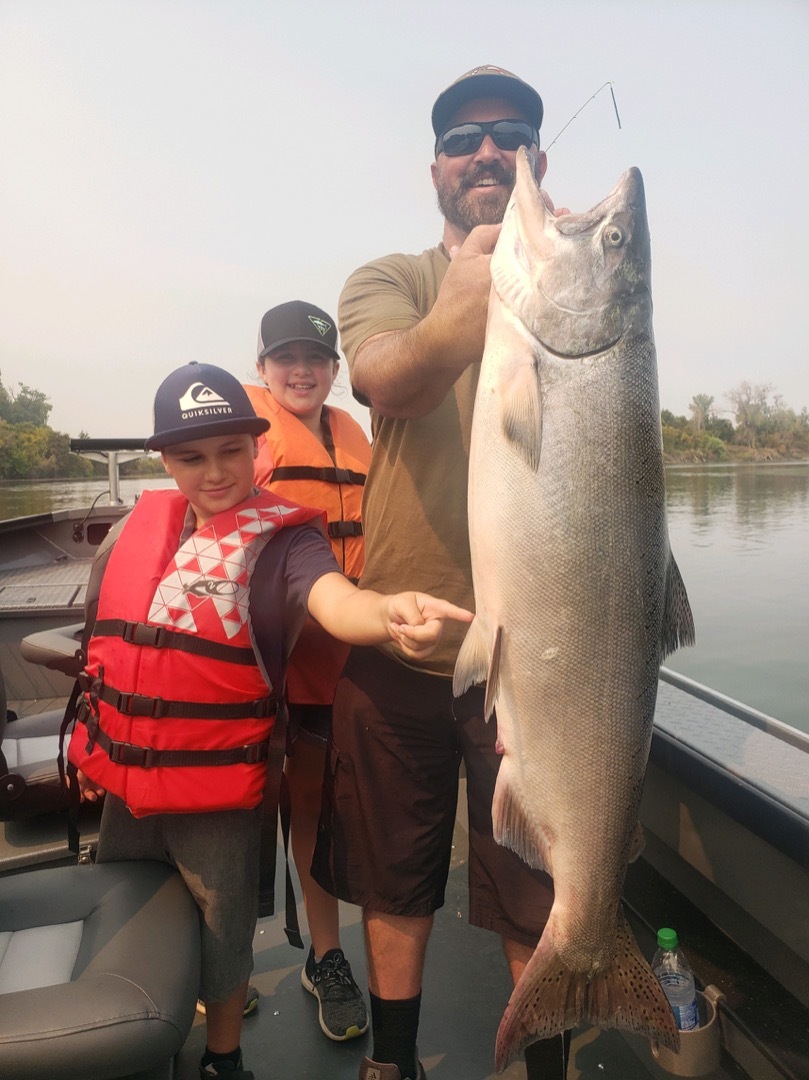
(577, 595)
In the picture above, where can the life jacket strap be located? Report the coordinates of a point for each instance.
(157, 708)
(344, 528)
(330, 474)
(161, 637)
(144, 757)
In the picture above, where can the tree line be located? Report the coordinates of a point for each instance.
(765, 428)
(31, 450)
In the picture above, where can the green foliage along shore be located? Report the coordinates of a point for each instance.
(764, 428)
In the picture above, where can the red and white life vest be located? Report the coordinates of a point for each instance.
(177, 713)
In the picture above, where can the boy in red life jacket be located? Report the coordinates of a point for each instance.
(203, 594)
(315, 455)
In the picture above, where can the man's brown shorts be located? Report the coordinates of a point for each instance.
(390, 795)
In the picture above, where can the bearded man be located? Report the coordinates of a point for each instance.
(412, 329)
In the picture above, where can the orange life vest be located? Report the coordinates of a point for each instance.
(295, 465)
(178, 714)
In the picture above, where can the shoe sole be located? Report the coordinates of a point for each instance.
(353, 1032)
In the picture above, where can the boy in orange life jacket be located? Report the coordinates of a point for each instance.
(203, 594)
(316, 456)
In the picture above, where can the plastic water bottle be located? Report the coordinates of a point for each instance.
(674, 975)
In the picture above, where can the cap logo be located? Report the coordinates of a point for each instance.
(200, 400)
(320, 325)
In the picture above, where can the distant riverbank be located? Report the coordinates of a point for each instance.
(733, 455)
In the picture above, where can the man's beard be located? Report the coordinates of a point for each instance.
(465, 210)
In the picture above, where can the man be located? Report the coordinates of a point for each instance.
(413, 330)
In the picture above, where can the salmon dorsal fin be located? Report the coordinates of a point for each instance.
(521, 413)
(472, 665)
(678, 623)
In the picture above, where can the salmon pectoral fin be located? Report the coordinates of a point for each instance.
(510, 826)
(678, 622)
(521, 414)
(479, 661)
(550, 998)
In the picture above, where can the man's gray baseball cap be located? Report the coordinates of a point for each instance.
(487, 81)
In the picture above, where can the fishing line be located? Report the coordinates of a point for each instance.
(584, 106)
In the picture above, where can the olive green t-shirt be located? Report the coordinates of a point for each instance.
(414, 503)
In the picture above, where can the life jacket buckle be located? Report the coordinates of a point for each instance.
(253, 753)
(141, 705)
(143, 634)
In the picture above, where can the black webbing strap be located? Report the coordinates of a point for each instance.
(160, 637)
(331, 475)
(292, 927)
(145, 757)
(68, 772)
(340, 529)
(157, 708)
(276, 799)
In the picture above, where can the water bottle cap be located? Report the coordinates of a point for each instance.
(667, 938)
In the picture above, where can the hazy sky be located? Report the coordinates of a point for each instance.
(169, 169)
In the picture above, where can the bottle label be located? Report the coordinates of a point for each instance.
(686, 1016)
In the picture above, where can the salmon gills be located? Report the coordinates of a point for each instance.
(578, 598)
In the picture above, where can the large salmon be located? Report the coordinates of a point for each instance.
(578, 597)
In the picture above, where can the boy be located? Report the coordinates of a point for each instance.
(202, 598)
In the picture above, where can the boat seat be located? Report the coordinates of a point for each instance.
(99, 971)
(29, 775)
(58, 650)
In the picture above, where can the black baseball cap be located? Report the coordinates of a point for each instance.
(198, 401)
(487, 81)
(296, 321)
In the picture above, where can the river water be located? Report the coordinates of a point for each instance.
(740, 534)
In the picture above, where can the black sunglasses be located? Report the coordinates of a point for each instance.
(467, 138)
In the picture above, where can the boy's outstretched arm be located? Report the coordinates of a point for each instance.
(363, 617)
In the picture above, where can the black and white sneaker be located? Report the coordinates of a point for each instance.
(342, 1011)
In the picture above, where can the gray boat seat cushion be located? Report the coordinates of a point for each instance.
(29, 779)
(58, 649)
(99, 970)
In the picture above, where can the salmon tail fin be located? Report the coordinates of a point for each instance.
(479, 661)
(510, 825)
(550, 998)
(678, 622)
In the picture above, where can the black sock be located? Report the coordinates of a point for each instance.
(396, 1026)
(547, 1058)
(209, 1057)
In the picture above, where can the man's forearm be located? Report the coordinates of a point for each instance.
(406, 374)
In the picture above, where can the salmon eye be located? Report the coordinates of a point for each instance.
(614, 236)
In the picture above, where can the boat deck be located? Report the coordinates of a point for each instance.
(466, 987)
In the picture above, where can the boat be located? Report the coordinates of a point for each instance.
(726, 816)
